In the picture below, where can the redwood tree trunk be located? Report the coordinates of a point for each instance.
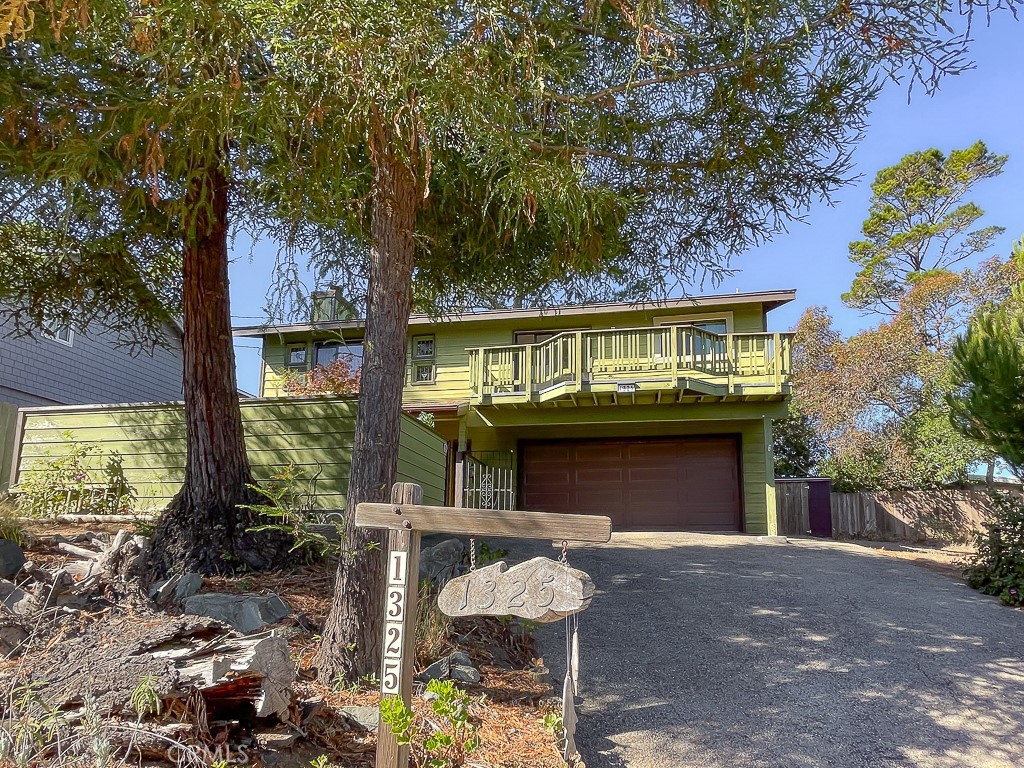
(203, 529)
(351, 636)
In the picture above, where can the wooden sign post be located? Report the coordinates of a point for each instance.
(407, 520)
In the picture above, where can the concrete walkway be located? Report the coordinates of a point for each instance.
(720, 652)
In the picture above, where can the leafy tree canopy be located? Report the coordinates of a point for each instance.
(878, 399)
(919, 223)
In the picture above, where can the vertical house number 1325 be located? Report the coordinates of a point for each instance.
(394, 624)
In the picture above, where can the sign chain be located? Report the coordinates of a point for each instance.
(472, 554)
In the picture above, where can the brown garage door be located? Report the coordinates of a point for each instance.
(684, 484)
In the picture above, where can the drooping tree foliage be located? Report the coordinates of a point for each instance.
(512, 144)
(469, 145)
(987, 402)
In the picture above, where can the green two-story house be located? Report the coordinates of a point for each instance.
(658, 415)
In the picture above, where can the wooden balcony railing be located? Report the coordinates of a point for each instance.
(655, 357)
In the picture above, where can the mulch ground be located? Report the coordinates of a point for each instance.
(508, 705)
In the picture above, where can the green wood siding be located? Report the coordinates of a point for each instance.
(452, 377)
(299, 431)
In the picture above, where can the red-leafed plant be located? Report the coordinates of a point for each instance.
(335, 378)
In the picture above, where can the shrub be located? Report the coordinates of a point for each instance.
(11, 526)
(451, 737)
(433, 627)
(998, 566)
(71, 484)
(338, 377)
(292, 510)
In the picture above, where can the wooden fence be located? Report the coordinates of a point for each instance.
(312, 434)
(945, 514)
(791, 506)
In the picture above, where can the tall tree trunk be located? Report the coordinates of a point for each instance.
(351, 636)
(203, 529)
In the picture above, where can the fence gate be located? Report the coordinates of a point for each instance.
(489, 480)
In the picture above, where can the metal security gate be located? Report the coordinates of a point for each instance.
(489, 480)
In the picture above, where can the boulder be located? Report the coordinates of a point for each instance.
(455, 666)
(161, 591)
(245, 613)
(187, 585)
(364, 718)
(16, 600)
(439, 670)
(440, 562)
(11, 559)
(11, 638)
(464, 674)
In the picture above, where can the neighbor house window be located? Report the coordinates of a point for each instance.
(328, 352)
(297, 357)
(423, 359)
(59, 332)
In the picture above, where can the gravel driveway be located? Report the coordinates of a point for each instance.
(722, 652)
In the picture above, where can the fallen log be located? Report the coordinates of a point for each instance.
(174, 658)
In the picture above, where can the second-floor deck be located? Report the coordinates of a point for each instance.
(626, 361)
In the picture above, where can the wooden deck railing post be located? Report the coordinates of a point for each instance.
(527, 353)
(673, 350)
(777, 360)
(731, 360)
(578, 373)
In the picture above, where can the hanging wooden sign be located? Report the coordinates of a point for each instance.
(541, 590)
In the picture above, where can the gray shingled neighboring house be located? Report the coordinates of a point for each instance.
(62, 367)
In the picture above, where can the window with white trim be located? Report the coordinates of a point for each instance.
(424, 358)
(59, 332)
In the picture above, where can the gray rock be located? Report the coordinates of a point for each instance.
(439, 670)
(16, 600)
(461, 658)
(161, 591)
(456, 666)
(362, 717)
(246, 613)
(11, 558)
(464, 674)
(187, 585)
(11, 638)
(440, 562)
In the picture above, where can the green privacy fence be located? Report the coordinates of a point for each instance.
(313, 434)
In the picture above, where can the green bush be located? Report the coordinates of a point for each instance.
(70, 484)
(11, 527)
(290, 509)
(451, 737)
(998, 566)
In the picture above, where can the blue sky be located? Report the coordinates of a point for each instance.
(985, 103)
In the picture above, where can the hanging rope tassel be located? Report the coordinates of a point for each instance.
(570, 688)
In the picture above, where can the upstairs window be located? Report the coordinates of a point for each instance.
(539, 337)
(297, 357)
(59, 332)
(424, 359)
(328, 352)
